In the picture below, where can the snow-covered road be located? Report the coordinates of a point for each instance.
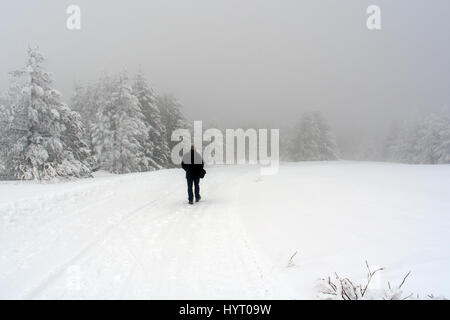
(132, 236)
(135, 236)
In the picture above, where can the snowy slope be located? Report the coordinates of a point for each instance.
(134, 236)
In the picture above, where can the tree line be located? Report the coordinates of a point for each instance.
(424, 140)
(119, 125)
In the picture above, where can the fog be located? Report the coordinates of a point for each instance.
(250, 62)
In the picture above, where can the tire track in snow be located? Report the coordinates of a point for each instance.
(53, 275)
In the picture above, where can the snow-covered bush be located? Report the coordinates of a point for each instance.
(342, 288)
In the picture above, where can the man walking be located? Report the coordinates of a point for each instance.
(193, 165)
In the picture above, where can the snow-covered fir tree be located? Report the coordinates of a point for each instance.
(161, 115)
(306, 141)
(44, 135)
(434, 140)
(424, 141)
(327, 145)
(91, 102)
(83, 101)
(313, 140)
(120, 134)
(3, 134)
(158, 150)
(172, 117)
(442, 150)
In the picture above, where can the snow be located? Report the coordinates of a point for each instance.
(135, 236)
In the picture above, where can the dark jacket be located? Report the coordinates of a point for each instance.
(193, 165)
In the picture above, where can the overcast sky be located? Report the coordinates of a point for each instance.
(249, 61)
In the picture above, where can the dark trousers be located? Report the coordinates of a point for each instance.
(196, 183)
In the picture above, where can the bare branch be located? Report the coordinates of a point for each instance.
(369, 277)
(407, 297)
(404, 279)
(291, 260)
(345, 289)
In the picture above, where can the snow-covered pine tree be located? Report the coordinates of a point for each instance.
(44, 134)
(101, 129)
(172, 117)
(313, 140)
(442, 151)
(307, 140)
(78, 101)
(287, 143)
(158, 150)
(433, 142)
(428, 140)
(4, 121)
(73, 138)
(82, 101)
(119, 133)
(327, 145)
(424, 141)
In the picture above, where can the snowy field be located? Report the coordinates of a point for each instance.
(135, 236)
